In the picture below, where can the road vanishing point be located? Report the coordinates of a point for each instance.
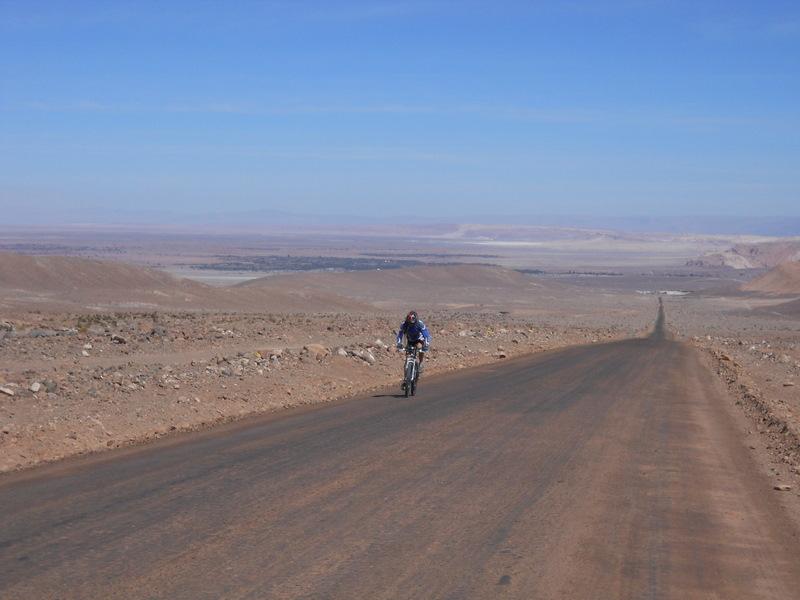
(603, 471)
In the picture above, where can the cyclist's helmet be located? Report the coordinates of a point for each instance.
(411, 318)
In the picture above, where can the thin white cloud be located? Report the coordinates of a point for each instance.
(393, 154)
(299, 109)
(645, 117)
(233, 108)
(524, 113)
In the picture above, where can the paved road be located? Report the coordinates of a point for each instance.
(605, 471)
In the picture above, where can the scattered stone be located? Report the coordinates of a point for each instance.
(40, 333)
(318, 351)
(366, 356)
(788, 384)
(84, 353)
(6, 390)
(50, 386)
(87, 346)
(35, 387)
(500, 355)
(783, 488)
(341, 351)
(118, 339)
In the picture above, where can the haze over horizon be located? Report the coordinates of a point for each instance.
(443, 109)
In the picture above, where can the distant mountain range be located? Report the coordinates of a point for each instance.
(778, 226)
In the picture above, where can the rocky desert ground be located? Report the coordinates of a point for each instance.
(101, 347)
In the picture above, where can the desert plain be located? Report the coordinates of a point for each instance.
(113, 338)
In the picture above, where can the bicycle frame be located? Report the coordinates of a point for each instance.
(412, 358)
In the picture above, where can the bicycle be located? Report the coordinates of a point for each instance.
(411, 370)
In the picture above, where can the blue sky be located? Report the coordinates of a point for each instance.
(383, 108)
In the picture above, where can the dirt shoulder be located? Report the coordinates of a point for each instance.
(757, 358)
(75, 384)
(763, 386)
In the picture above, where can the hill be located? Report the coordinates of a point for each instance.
(758, 255)
(69, 283)
(782, 280)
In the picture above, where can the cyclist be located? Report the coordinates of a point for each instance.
(416, 334)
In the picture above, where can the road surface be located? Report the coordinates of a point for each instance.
(603, 471)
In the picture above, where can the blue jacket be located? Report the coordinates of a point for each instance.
(414, 333)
